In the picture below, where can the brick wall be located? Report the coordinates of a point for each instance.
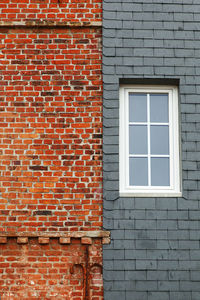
(50, 128)
(49, 269)
(44, 12)
(50, 146)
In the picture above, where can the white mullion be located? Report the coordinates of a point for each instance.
(151, 155)
(138, 155)
(137, 123)
(160, 155)
(148, 139)
(161, 124)
(152, 123)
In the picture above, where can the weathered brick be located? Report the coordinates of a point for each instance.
(41, 269)
(43, 240)
(86, 241)
(65, 240)
(22, 240)
(3, 240)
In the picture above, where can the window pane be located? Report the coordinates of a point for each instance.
(138, 171)
(137, 107)
(138, 139)
(159, 108)
(160, 171)
(159, 139)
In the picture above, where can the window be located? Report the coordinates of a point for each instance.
(149, 141)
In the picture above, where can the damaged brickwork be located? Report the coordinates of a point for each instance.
(50, 268)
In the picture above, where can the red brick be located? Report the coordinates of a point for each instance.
(65, 240)
(22, 240)
(106, 240)
(43, 240)
(3, 240)
(86, 240)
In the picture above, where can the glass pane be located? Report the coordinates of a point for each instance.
(160, 171)
(137, 107)
(138, 139)
(159, 139)
(138, 175)
(159, 111)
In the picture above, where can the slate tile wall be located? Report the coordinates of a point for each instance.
(154, 252)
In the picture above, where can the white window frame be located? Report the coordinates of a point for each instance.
(174, 190)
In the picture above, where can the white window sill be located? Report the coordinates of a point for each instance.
(150, 194)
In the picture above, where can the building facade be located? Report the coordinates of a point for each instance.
(151, 206)
(53, 112)
(51, 149)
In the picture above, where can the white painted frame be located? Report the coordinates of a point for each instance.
(174, 190)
